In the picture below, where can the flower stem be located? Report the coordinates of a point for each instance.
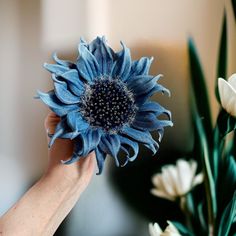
(209, 181)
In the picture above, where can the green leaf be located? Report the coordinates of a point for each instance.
(234, 8)
(201, 216)
(203, 153)
(222, 57)
(183, 230)
(228, 217)
(225, 123)
(226, 184)
(199, 88)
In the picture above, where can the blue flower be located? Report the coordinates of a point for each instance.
(103, 102)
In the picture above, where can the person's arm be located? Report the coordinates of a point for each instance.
(41, 210)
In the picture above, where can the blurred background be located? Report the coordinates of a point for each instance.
(117, 203)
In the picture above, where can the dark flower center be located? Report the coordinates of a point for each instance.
(108, 104)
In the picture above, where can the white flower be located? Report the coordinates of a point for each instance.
(155, 230)
(227, 91)
(176, 180)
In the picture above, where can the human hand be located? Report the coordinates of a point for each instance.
(62, 149)
(44, 206)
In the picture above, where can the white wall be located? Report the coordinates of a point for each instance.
(22, 139)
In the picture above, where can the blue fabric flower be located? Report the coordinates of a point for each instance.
(103, 102)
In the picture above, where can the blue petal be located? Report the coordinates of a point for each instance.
(55, 104)
(140, 100)
(74, 82)
(122, 66)
(76, 122)
(90, 140)
(87, 64)
(62, 62)
(143, 137)
(64, 95)
(111, 145)
(100, 157)
(103, 54)
(142, 84)
(148, 121)
(84, 144)
(60, 129)
(156, 108)
(141, 67)
(56, 69)
(131, 144)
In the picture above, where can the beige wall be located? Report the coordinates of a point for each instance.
(158, 28)
(22, 140)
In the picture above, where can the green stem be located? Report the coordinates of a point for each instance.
(209, 181)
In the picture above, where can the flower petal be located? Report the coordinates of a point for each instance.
(171, 230)
(90, 139)
(56, 69)
(161, 194)
(154, 229)
(156, 108)
(100, 157)
(130, 145)
(64, 95)
(142, 84)
(111, 145)
(74, 82)
(232, 81)
(103, 54)
(122, 66)
(143, 137)
(198, 179)
(141, 99)
(141, 66)
(185, 177)
(55, 104)
(76, 122)
(87, 64)
(62, 62)
(227, 96)
(163, 188)
(85, 143)
(60, 129)
(148, 121)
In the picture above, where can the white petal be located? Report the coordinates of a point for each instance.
(172, 177)
(154, 229)
(169, 183)
(193, 166)
(161, 194)
(185, 176)
(232, 80)
(171, 230)
(156, 181)
(227, 95)
(198, 179)
(163, 185)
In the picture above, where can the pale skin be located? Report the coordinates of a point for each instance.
(44, 206)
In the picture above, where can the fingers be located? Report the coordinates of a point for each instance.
(87, 164)
(86, 170)
(51, 122)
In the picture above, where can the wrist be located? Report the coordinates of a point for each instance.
(64, 177)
